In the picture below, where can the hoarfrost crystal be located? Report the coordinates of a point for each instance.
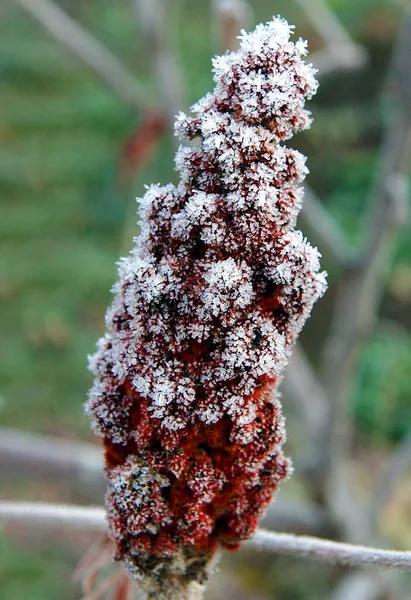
(206, 311)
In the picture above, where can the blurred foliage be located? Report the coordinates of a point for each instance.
(383, 393)
(28, 575)
(66, 216)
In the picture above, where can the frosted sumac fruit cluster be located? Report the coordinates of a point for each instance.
(206, 310)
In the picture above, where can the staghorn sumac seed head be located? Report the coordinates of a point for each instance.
(206, 310)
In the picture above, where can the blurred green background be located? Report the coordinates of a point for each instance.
(67, 214)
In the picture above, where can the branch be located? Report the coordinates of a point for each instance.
(230, 16)
(287, 514)
(302, 385)
(325, 22)
(341, 51)
(364, 586)
(395, 469)
(50, 515)
(356, 310)
(339, 58)
(29, 455)
(327, 551)
(80, 467)
(330, 238)
(89, 50)
(153, 19)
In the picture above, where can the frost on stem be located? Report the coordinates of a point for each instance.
(207, 308)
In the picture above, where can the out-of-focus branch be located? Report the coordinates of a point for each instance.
(341, 52)
(230, 16)
(364, 586)
(75, 464)
(302, 385)
(326, 232)
(325, 22)
(394, 470)
(339, 58)
(356, 310)
(327, 551)
(51, 515)
(301, 382)
(79, 466)
(288, 514)
(153, 19)
(89, 50)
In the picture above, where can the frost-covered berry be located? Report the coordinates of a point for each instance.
(206, 310)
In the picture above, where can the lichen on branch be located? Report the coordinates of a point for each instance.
(206, 311)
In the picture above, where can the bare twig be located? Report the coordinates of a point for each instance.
(289, 514)
(230, 17)
(89, 50)
(327, 551)
(325, 22)
(80, 467)
(395, 469)
(118, 584)
(341, 51)
(354, 316)
(364, 586)
(153, 19)
(77, 464)
(302, 385)
(328, 235)
(339, 58)
(80, 517)
(97, 557)
(301, 382)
